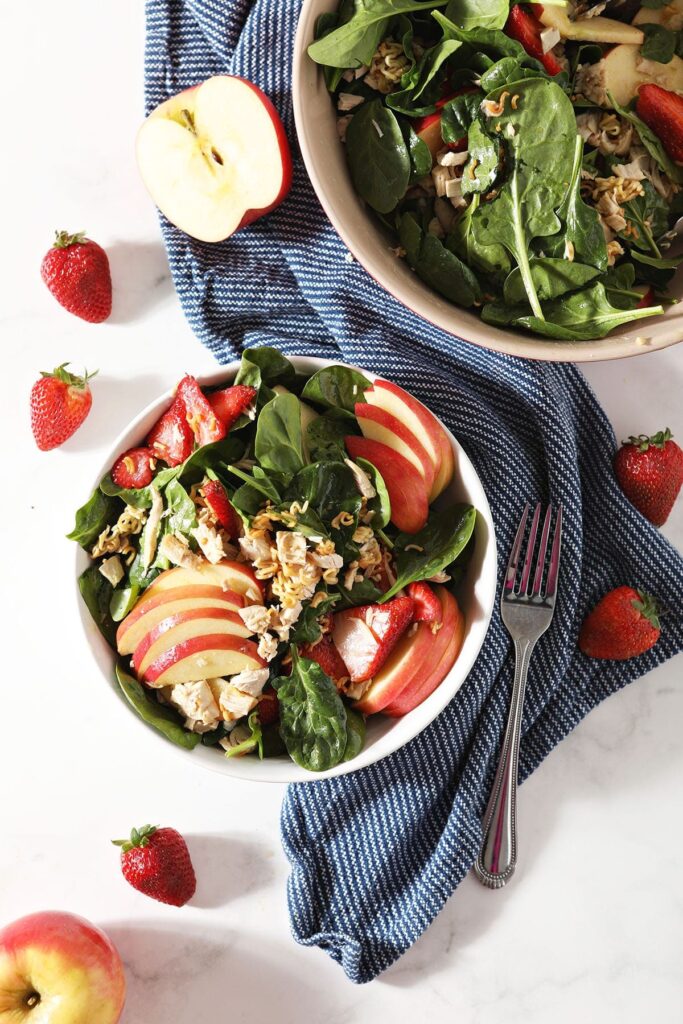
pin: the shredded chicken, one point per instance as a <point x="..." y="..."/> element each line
<point x="151" y="534"/>
<point x="174" y="547"/>
<point x="609" y="133"/>
<point x="112" y="570"/>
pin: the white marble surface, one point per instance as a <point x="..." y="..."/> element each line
<point x="591" y="928"/>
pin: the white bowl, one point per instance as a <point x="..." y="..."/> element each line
<point x="326" y="165"/>
<point x="384" y="735"/>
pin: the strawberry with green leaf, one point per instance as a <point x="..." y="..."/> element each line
<point x="623" y="624"/>
<point x="76" y="270"/>
<point x="156" y="862"/>
<point x="650" y="473"/>
<point x="60" y="401"/>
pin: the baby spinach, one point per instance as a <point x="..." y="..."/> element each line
<point x="122" y="601"/>
<point x="468" y="14"/>
<point x="646" y="219"/>
<point x="458" y="114"/>
<point x="278" y="445"/>
<point x="253" y="743"/>
<point x="307" y="627"/>
<point x="364" y="591"/>
<point x="326" y="23"/>
<point x="378" y="157"/>
<point x="182" y="512"/>
<point x="446" y="273"/>
<point x="420" y="88"/>
<point x="490" y="42"/>
<point x="264" y="365"/>
<point x="551" y="278"/>
<point x="97" y="591"/>
<point x="139" y="497"/>
<point x="98" y="512"/>
<point x="419" y="556"/>
<point x="353" y="43"/>
<point x="355" y="734"/>
<point x="329" y="487"/>
<point x="508" y="70"/>
<point x="336" y="387"/>
<point x="651" y="142"/>
<point x="481" y="170"/>
<point x="381" y="503"/>
<point x="660" y="43"/>
<point x="410" y="237"/>
<point x="465" y="241"/>
<point x="618" y="282"/>
<point x="420" y="156"/>
<point x="159" y="716"/>
<point x="326" y="434"/>
<point x="312" y="715"/>
<point x="655" y="271"/>
<point x="580" y="223"/>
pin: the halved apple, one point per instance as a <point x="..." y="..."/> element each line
<point x="215" y="157"/>
<point x="174" y="629"/>
<point x="422" y="423"/>
<point x="228" y="575"/>
<point x="153" y="608"/>
<point x="208" y="656"/>
<point x="406" y="486"/>
<point x="380" y="425"/>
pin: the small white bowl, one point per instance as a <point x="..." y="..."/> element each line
<point x="384" y="735"/>
<point x="326" y="165"/>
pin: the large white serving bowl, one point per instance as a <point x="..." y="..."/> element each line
<point x="325" y="162"/>
<point x="384" y="735"/>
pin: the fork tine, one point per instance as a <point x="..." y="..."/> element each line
<point x="516" y="548"/>
<point x="542" y="548"/>
<point x="526" y="572"/>
<point x="554" y="568"/>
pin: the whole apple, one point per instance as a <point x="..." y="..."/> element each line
<point x="57" y="968"/>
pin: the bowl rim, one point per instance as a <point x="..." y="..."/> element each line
<point x="426" y="304"/>
<point x="282" y="769"/>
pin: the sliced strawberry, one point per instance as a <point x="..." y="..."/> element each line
<point x="427" y="604"/>
<point x="135" y="468"/>
<point x="216" y="498"/>
<point x="648" y="299"/>
<point x="365" y="636"/>
<point x="202" y="419"/>
<point x="523" y="26"/>
<point x="230" y="403"/>
<point x="662" y="111"/>
<point x="268" y="707"/>
<point x="327" y="656"/>
<point x="171" y="438"/>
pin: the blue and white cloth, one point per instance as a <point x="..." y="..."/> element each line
<point x="376" y="854"/>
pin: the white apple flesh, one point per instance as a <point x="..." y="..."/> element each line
<point x="215" y="158"/>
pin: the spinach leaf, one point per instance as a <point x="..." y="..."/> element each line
<point x="660" y="43"/>
<point x="160" y="717"/>
<point x="259" y="481"/>
<point x="646" y="219"/>
<point x="381" y="503"/>
<point x="420" y="156"/>
<point x="329" y="487"/>
<point x="618" y="282"/>
<point x="182" y="512"/>
<point x="97" y="591"/>
<point x="312" y="716"/>
<point x="654" y="271"/>
<point x="307" y="627"/>
<point x="264" y="365"/>
<point x="458" y="114"/>
<point x="137" y="497"/>
<point x="353" y="44"/>
<point x="490" y="42"/>
<point x="336" y="387"/>
<point x="468" y="14"/>
<point x="442" y="540"/>
<point x="551" y="278"/>
<point x="93" y="517"/>
<point x="355" y="734"/>
<point x="410" y="237"/>
<point x="651" y="142"/>
<point x="278" y="445"/>
<point x="465" y="241"/>
<point x="539" y="160"/>
<point x="363" y="591"/>
<point x="420" y="88"/>
<point x="438" y="267"/>
<point x="141" y="577"/>
<point x="252" y="743"/>
<point x="326" y="435"/>
<point x="123" y="601"/>
<point x="581" y="223"/>
<point x="508" y="70"/>
<point x="326" y="23"/>
<point x="378" y="157"/>
<point x="481" y="170"/>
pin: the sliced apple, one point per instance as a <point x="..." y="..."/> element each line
<point x="407" y="491"/>
<point x="422" y="685"/>
<point x="670" y="16"/>
<point x="626" y="70"/>
<point x="228" y="575"/>
<point x="380" y="425"/>
<point x="429" y="130"/>
<point x="174" y="629"/>
<point x="215" y="157"/>
<point x="407" y="660"/>
<point x="152" y="608"/>
<point x="422" y="423"/>
<point x="594" y="30"/>
<point x="208" y="656"/>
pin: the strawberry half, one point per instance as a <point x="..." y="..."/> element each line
<point x="650" y="473"/>
<point x="427" y="605"/>
<point x="366" y="636"/>
<point x="327" y="656"/>
<point x="623" y="624"/>
<point x="205" y="425"/>
<point x="133" y="469"/>
<point x="525" y="27"/>
<point x="171" y="438"/>
<point x="156" y="862"/>
<point x="216" y="498"/>
<point x="230" y="403"/>
<point x="662" y="111"/>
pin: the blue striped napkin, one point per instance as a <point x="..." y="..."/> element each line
<point x="375" y="855"/>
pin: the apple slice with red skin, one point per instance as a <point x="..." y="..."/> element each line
<point x="215" y="157"/>
<point x="422" y="685"/>
<point x="422" y="423"/>
<point x="208" y="656"/>
<point x="149" y="611"/>
<point x="228" y="575"/>
<point x="174" y="629"/>
<point x="406" y="486"/>
<point x="380" y="425"/>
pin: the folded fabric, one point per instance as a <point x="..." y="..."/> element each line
<point x="376" y="854"/>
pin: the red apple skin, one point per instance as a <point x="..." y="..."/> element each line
<point x="150" y="602"/>
<point x="405" y="483"/>
<point x="385" y="419"/>
<point x="403" y="664"/>
<point x="166" y="626"/>
<point x="69" y="962"/>
<point x="212" y="641"/>
<point x="285" y="155"/>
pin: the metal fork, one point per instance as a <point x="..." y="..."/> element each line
<point x="526" y="611"/>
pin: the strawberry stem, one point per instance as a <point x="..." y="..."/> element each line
<point x="138" y="837"/>
<point x="648" y="608"/>
<point x="70" y="379"/>
<point x="642" y="442"/>
<point x="63" y="239"/>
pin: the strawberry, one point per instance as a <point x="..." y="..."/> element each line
<point x="623" y="624"/>
<point x="525" y="27"/>
<point x="230" y="403"/>
<point x="156" y="861"/>
<point x="60" y="402"/>
<point x="268" y="707"/>
<point x="216" y="498"/>
<point x="76" y="270"/>
<point x="662" y="111"/>
<point x="135" y="468"/>
<point x="427" y="605"/>
<point x="327" y="656"/>
<point x="365" y="636"/>
<point x="205" y="425"/>
<point x="650" y="473"/>
<point x="171" y="438"/>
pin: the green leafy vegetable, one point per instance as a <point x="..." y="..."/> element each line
<point x="660" y="43"/>
<point x="264" y="365"/>
<point x="378" y="157"/>
<point x="355" y="734"/>
<point x="381" y="503"/>
<point x="278" y="445"/>
<point x="159" y="716"/>
<point x="481" y="170"/>
<point x="446" y="273"/>
<point x="326" y="435"/>
<point x="581" y="225"/>
<point x="468" y="14"/>
<point x="182" y="512"/>
<point x="651" y="142"/>
<point x="307" y="627"/>
<point x="253" y="743"/>
<point x="655" y="271"/>
<point x="336" y="387"/>
<point x="329" y="487"/>
<point x="420" y="156"/>
<point x="646" y="219"/>
<point x="312" y="716"/>
<point x="137" y="497"/>
<point x="441" y="540"/>
<point x="97" y="591"/>
<point x="458" y="114"/>
<point x="98" y="512"/>
<point x="465" y="241"/>
<point x="551" y="278"/>
<point x="122" y="602"/>
<point x="420" y="88"/>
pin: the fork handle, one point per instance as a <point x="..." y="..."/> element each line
<point x="497" y="859"/>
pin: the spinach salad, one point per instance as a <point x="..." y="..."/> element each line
<point x="258" y="583"/>
<point x="509" y="151"/>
